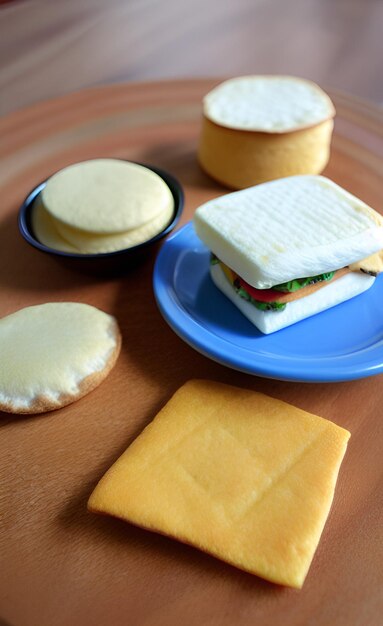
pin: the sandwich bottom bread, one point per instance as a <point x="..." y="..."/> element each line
<point x="288" y="249"/>
<point x="235" y="473"/>
<point x="274" y="315"/>
<point x="53" y="354"/>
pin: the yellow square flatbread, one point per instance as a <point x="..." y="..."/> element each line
<point x="242" y="476"/>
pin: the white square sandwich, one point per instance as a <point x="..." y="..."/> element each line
<point x="288" y="249"/>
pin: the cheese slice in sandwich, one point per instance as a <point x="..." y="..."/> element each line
<point x="278" y="248"/>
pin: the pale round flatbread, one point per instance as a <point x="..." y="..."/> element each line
<point x="54" y="353"/>
<point x="106" y="196"/>
<point x="88" y="243"/>
<point x="45" y="230"/>
<point x="272" y="104"/>
<point x="58" y="236"/>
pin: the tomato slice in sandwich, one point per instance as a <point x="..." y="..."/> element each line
<point x="262" y="295"/>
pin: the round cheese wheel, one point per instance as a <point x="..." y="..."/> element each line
<point x="258" y="128"/>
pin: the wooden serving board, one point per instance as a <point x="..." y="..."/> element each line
<point x="62" y="566"/>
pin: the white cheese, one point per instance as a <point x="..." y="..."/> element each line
<point x="268" y="104"/>
<point x="267" y="322"/>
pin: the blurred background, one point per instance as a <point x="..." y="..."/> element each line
<point x="52" y="47"/>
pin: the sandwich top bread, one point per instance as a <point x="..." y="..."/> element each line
<point x="278" y="247"/>
<point x="54" y="353"/>
<point x="257" y="128"/>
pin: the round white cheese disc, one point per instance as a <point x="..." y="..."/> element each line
<point x="271" y="104"/>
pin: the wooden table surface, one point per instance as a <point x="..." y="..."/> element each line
<point x="50" y="48"/>
<point x="59" y="564"/>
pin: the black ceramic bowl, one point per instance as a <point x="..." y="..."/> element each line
<point x="105" y="262"/>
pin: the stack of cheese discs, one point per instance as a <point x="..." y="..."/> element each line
<point x="258" y="128"/>
<point x="101" y="205"/>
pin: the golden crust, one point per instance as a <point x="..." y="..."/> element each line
<point x="372" y="264"/>
<point x="242" y="158"/>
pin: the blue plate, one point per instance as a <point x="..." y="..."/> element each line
<point x="343" y="343"/>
